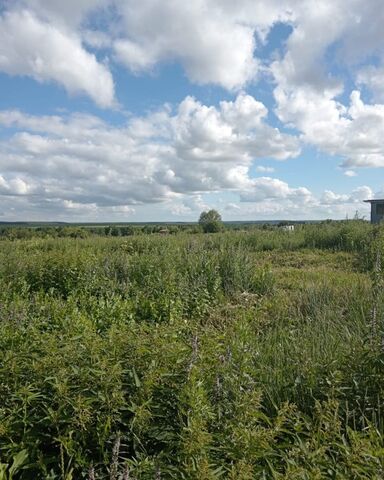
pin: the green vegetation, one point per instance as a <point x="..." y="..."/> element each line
<point x="211" y="221"/>
<point x="239" y="355"/>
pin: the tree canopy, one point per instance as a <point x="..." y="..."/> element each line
<point x="211" y="221"/>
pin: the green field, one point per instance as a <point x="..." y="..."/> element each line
<point x="240" y="355"/>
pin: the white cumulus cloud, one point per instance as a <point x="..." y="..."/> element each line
<point x="194" y="149"/>
<point x="29" y="46"/>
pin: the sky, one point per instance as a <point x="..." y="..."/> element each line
<point x="119" y="110"/>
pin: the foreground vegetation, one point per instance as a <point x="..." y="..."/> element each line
<point x="237" y="355"/>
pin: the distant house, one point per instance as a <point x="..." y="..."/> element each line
<point x="377" y="210"/>
<point x="164" y="231"/>
<point x="288" y="228"/>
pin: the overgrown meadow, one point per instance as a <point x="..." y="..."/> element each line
<point x="238" y="355"/>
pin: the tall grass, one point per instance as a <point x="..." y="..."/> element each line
<point x="238" y="355"/>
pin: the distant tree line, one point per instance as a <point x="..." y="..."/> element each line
<point x="209" y="222"/>
<point x="28" y="232"/>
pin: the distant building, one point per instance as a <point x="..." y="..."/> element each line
<point x="288" y="228"/>
<point x="377" y="210"/>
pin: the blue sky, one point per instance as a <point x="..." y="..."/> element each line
<point x="114" y="110"/>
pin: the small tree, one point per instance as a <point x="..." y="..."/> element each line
<point x="211" y="221"/>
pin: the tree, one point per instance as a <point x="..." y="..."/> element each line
<point x="211" y="221"/>
<point x="115" y="231"/>
<point x="127" y="231"/>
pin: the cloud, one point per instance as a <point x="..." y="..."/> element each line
<point x="262" y="169"/>
<point x="195" y="149"/>
<point x="210" y="40"/>
<point x="277" y="200"/>
<point x="14" y="186"/>
<point x="308" y="92"/>
<point x="364" y="33"/>
<point x="325" y="34"/>
<point x="29" y="46"/>
<point x="357" y="196"/>
<point x="79" y="159"/>
<point x="373" y="78"/>
<point x="68" y="12"/>
<point x="81" y="209"/>
<point x="350" y="173"/>
<point x="213" y="40"/>
<point x="263" y="188"/>
<point x="353" y="132"/>
<point x="232" y="207"/>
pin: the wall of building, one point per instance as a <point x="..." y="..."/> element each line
<point x="377" y="212"/>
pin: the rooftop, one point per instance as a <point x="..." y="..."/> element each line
<point x="381" y="200"/>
